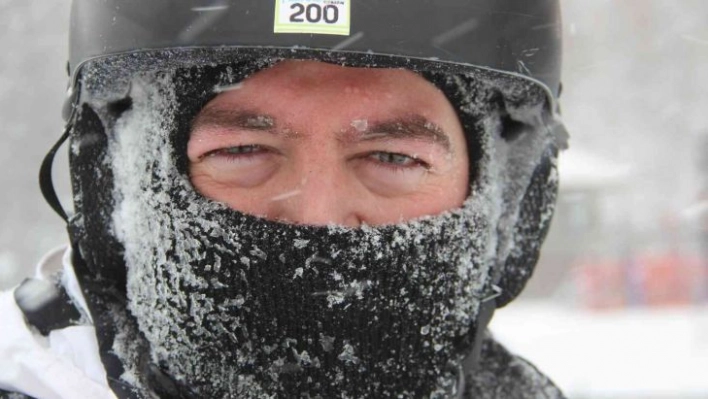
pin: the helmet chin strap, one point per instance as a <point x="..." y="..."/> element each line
<point x="45" y="176"/>
<point x="46" y="184"/>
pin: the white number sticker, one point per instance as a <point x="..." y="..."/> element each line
<point x="325" y="17"/>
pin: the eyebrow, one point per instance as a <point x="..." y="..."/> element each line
<point x="230" y="118"/>
<point x="410" y="127"/>
<point x="414" y="127"/>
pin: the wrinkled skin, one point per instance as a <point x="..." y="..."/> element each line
<point x="314" y="143"/>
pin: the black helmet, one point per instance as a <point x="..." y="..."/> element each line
<point x="521" y="38"/>
<point x="502" y="54"/>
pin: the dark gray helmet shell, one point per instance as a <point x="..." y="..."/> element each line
<point x="521" y="37"/>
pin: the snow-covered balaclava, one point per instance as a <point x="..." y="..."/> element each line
<point x="222" y="304"/>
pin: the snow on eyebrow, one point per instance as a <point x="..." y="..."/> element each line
<point x="410" y="127"/>
<point x="232" y="118"/>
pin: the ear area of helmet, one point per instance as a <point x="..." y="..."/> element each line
<point x="116" y="108"/>
<point x="521" y="116"/>
<point x="512" y="129"/>
<point x="534" y="220"/>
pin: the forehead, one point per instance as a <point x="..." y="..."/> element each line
<point x="293" y="84"/>
<point x="312" y="73"/>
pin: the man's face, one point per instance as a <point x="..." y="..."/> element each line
<point x="314" y="143"/>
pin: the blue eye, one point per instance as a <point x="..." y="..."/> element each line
<point x="395" y="160"/>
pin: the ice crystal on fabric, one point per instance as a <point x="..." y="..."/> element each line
<point x="237" y="306"/>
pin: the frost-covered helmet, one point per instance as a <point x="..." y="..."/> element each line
<point x="497" y="61"/>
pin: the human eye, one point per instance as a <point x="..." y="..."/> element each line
<point x="391" y="173"/>
<point x="247" y="165"/>
<point x="397" y="161"/>
<point x="238" y="153"/>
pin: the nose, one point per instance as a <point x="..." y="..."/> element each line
<point x="323" y="197"/>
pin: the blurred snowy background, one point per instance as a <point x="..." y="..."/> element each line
<point x="33" y="55"/>
<point x="619" y="304"/>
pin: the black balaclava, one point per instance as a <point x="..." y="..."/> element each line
<point x="223" y="304"/>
